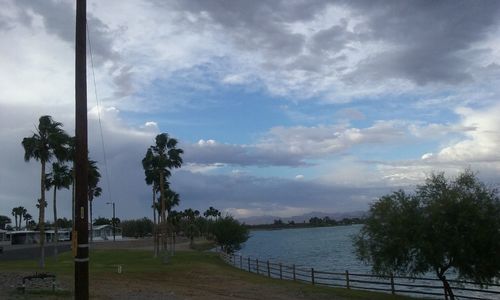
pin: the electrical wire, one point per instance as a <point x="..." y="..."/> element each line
<point x="99" y="115"/>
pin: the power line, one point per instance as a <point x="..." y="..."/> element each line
<point x="99" y="115"/>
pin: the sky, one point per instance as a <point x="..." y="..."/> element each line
<point x="282" y="107"/>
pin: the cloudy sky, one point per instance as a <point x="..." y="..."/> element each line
<point x="282" y="107"/>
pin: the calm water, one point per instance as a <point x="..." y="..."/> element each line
<point x="323" y="248"/>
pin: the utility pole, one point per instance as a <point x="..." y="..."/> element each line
<point x="81" y="155"/>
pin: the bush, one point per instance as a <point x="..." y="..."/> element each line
<point x="230" y="234"/>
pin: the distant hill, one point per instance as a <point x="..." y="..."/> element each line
<point x="302" y="218"/>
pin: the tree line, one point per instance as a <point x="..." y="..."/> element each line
<point x="227" y="232"/>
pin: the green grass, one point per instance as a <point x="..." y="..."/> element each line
<point x="202" y="268"/>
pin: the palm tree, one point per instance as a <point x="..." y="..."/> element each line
<point x="166" y="156"/>
<point x="47" y="142"/>
<point x="14" y="214"/>
<point x="60" y="177"/>
<point x="27" y="218"/>
<point x="151" y="172"/>
<point x="18" y="212"/>
<point x="93" y="190"/>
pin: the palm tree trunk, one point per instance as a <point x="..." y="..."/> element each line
<point x="41" y="217"/>
<point x="55" y="225"/>
<point x="154" y="225"/>
<point x="163" y="219"/>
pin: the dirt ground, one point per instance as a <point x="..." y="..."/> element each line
<point x="197" y="283"/>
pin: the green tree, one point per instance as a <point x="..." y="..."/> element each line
<point x="230" y="234"/>
<point x="4" y="220"/>
<point x="47" y="142"/>
<point x="446" y="225"/>
<point x="94" y="191"/>
<point x="137" y="228"/>
<point x="60" y="177"/>
<point x="102" y="221"/>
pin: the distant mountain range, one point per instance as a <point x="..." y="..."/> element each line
<point x="302" y="218"/>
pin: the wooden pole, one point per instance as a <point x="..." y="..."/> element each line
<point x="268" y="270"/>
<point x="347" y="284"/>
<point x="312" y="276"/>
<point x="393" y="290"/>
<point x="81" y="155"/>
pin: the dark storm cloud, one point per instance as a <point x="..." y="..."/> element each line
<point x="432" y="39"/>
<point x="259" y="25"/>
<point x="427" y="41"/>
<point x="59" y="19"/>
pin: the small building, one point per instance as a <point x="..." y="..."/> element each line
<point x="24" y="237"/>
<point x="64" y="235"/>
<point x="4" y="238"/>
<point x="105" y="232"/>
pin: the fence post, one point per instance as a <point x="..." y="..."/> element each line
<point x="257" y="262"/>
<point x="268" y="270"/>
<point x="241" y="262"/>
<point x="249" y="270"/>
<point x="234" y="260"/>
<point x="293" y="272"/>
<point x="393" y="290"/>
<point x="347" y="285"/>
<point x="281" y="272"/>
<point x="445" y="291"/>
<point x="312" y="276"/>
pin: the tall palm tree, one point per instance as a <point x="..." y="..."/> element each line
<point x="27" y="218"/>
<point x="151" y="172"/>
<point x="47" y="142"/>
<point x="22" y="212"/>
<point x="167" y="156"/>
<point x="60" y="178"/>
<point x="14" y="214"/>
<point x="93" y="190"/>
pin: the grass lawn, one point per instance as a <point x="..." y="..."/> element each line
<point x="188" y="275"/>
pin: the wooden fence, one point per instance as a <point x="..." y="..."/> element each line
<point x="425" y="287"/>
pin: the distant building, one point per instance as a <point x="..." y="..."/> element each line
<point x="105" y="232"/>
<point x="4" y="239"/>
<point x="24" y="237"/>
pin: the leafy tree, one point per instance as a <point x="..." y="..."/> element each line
<point x="446" y="225"/>
<point x="47" y="142"/>
<point x="93" y="190"/>
<point x="64" y="223"/>
<point x="59" y="178"/>
<point x="230" y="234"/>
<point x="137" y="228"/>
<point x="4" y="220"/>
<point x="102" y="221"/>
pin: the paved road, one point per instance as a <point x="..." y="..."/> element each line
<point x="17" y="252"/>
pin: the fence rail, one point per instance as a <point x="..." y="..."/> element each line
<point x="420" y="286"/>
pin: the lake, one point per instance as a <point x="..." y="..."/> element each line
<point x="330" y="249"/>
<point x="323" y="248"/>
